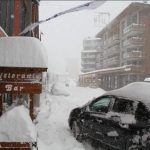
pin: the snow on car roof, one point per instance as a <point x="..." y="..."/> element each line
<point x="22" y="52"/>
<point x="139" y="91"/>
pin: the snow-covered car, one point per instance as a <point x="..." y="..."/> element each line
<point x="59" y="89"/>
<point x="119" y="119"/>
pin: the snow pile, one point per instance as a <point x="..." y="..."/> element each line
<point x="136" y="91"/>
<point x="122" y="118"/>
<point x="16" y="126"/>
<point x="128" y="119"/>
<point x="112" y="134"/>
<point x="59" y="89"/>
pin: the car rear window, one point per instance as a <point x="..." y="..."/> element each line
<point x="142" y="112"/>
<point x="123" y="106"/>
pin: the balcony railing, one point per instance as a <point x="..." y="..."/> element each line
<point x="133" y="55"/>
<point x="87" y="69"/>
<point x="134" y="41"/>
<point x="111" y="41"/>
<point x="113" y="51"/>
<point x="88" y="56"/>
<point x="134" y="28"/>
<point x="88" y="63"/>
<point x="111" y="61"/>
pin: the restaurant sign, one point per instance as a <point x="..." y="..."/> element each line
<point x="20" y="76"/>
<point x="21" y="87"/>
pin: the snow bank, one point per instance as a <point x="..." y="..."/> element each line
<point x="16" y="126"/>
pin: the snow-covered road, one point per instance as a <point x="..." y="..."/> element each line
<point x="53" y="130"/>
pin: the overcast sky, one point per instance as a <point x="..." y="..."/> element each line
<point x="63" y="36"/>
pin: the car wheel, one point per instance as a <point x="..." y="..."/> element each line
<point x="76" y="131"/>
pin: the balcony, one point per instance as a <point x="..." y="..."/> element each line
<point x="87" y="69"/>
<point x="111" y="62"/>
<point x="133" y="55"/>
<point x="88" y="63"/>
<point x="134" y="42"/>
<point x="88" y="56"/>
<point x="134" y="29"/>
<point x="113" y="51"/>
<point x="88" y="51"/>
<point x="113" y="40"/>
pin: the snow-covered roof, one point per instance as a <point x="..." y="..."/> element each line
<point x="139" y="91"/>
<point x="22" y="52"/>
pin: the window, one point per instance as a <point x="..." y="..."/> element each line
<point x="123" y="106"/>
<point x="134" y="18"/>
<point x="142" y="113"/>
<point x="101" y="105"/>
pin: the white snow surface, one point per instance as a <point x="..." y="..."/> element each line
<point x="123" y="118"/>
<point x="53" y="129"/>
<point x="139" y="91"/>
<point x="22" y="52"/>
<point x="16" y="126"/>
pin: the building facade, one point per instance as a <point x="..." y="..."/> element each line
<point x="15" y="15"/>
<point x="125" y="43"/>
<point x="90" y="55"/>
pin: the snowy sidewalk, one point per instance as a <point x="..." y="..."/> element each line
<point x="54" y="133"/>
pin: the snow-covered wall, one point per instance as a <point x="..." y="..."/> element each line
<point x="22" y="52"/>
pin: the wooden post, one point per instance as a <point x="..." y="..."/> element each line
<point x="16" y="23"/>
<point x="31" y="106"/>
<point x="1" y="105"/>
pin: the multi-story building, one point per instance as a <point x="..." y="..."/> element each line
<point x="15" y="15"/>
<point x="90" y="55"/>
<point x="125" y="44"/>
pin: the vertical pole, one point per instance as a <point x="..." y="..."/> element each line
<point x="16" y="23"/>
<point x="31" y="106"/>
<point x="1" y="105"/>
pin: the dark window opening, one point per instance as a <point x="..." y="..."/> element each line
<point x="142" y="113"/>
<point x="123" y="106"/>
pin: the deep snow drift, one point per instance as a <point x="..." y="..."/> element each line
<point x="53" y="130"/>
<point x="17" y="126"/>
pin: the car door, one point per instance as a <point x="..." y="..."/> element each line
<point x="95" y="117"/>
<point x="120" y="118"/>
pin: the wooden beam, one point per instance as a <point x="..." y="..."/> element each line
<point x="1" y="105"/>
<point x="16" y="23"/>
